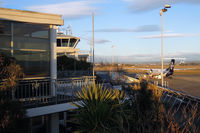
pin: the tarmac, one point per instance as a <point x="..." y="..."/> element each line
<point x="189" y="84"/>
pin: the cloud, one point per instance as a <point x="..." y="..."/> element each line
<point x="72" y="9"/>
<point x="144" y="28"/>
<point x="189" y="57"/>
<point x="148" y="5"/>
<point x="172" y="35"/>
<point x="102" y="41"/>
<point x="97" y="41"/>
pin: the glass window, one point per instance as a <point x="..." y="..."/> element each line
<point x="58" y="43"/>
<point x="5" y="35"/>
<point x="65" y="43"/>
<point x="32" y="48"/>
<point x="34" y="63"/>
<point x="31" y="36"/>
<point x="72" y="42"/>
<point x="5" y="52"/>
<point x="5" y="27"/>
<point x="31" y="45"/>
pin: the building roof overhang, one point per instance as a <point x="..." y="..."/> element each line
<point x="30" y="17"/>
<point x="67" y="37"/>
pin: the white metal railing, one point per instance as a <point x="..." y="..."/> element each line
<point x="67" y="88"/>
<point x="178" y="98"/>
<point x="32" y="89"/>
<point x="38" y="92"/>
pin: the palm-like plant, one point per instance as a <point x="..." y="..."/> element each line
<point x="99" y="109"/>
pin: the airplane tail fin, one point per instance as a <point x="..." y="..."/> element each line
<point x="170" y="70"/>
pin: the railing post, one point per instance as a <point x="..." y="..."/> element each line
<point x="165" y="97"/>
<point x="72" y="84"/>
<point x="13" y="94"/>
<point x="180" y="104"/>
<point x="187" y="104"/>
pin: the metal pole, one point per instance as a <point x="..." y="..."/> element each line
<point x="12" y="33"/>
<point x="162" y="48"/>
<point x="93" y="45"/>
<point x="112" y="57"/>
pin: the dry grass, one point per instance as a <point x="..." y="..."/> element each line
<point x="168" y="118"/>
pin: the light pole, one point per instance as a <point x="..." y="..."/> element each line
<point x="93" y="48"/>
<point x="112" y="58"/>
<point x="161" y="14"/>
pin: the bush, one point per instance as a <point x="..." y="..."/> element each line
<point x="100" y="110"/>
<point x="9" y="72"/>
<point x="105" y="110"/>
<point x="149" y="114"/>
<point x="11" y="114"/>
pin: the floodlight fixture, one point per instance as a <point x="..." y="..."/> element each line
<point x="167" y="6"/>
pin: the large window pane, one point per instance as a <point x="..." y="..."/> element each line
<point x="65" y="43"/>
<point x="58" y="42"/>
<point x="32" y="48"/>
<point x="5" y="52"/>
<point x="30" y="36"/>
<point x="34" y="64"/>
<point x="5" y="35"/>
<point x="72" y="42"/>
<point x="5" y="27"/>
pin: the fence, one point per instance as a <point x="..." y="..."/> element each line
<point x="67" y="88"/>
<point x="174" y="98"/>
<point x="33" y="93"/>
<point x="178" y="98"/>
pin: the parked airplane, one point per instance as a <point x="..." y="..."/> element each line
<point x="167" y="72"/>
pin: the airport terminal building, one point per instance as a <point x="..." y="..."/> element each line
<point x="30" y="37"/>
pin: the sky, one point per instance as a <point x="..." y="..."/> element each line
<point x="132" y="26"/>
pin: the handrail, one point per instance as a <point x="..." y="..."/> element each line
<point x="33" y="93"/>
<point x="180" y="93"/>
<point x="176" y="92"/>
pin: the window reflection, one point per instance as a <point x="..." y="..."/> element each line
<point x="65" y="42"/>
<point x="31" y="45"/>
<point x="5" y="28"/>
<point x="32" y="49"/>
<point x="5" y="35"/>
<point x="34" y="63"/>
<point x="29" y="36"/>
<point x="58" y="42"/>
<point x="72" y="42"/>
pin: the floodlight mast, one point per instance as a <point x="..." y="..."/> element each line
<point x="161" y="14"/>
<point x="93" y="64"/>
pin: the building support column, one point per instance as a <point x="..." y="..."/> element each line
<point x="53" y="58"/>
<point x="30" y="126"/>
<point x="65" y="119"/>
<point x="54" y="123"/>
